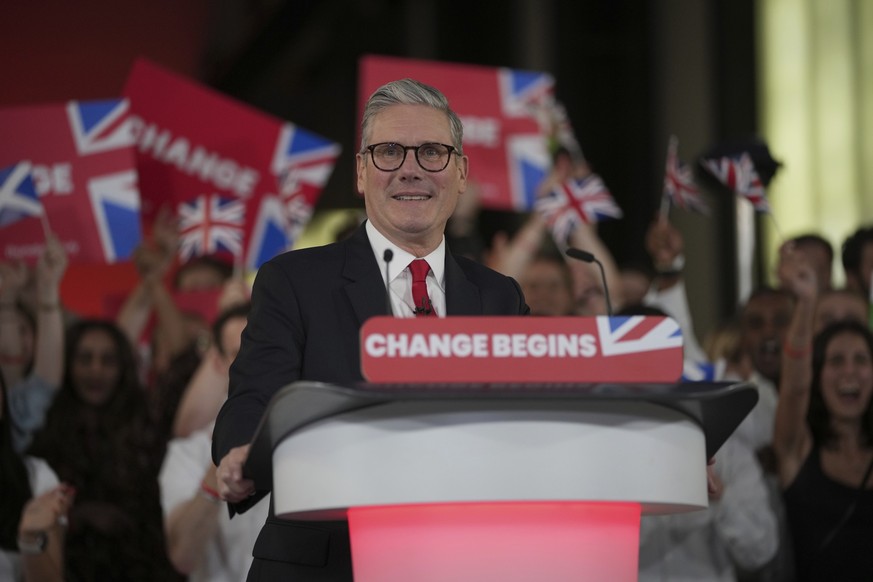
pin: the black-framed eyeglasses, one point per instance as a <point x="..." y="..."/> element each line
<point x="432" y="157"/>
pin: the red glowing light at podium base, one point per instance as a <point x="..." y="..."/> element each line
<point x="509" y="542"/>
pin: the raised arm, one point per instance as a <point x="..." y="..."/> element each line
<point x="792" y="439"/>
<point x="191" y="525"/>
<point x="665" y="246"/>
<point x="585" y="237"/>
<point x="48" y="356"/>
<point x="152" y="263"/>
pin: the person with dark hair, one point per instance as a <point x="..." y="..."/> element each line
<point x="857" y="259"/>
<point x="819" y="252"/>
<point x="33" y="510"/>
<point x="99" y="438"/>
<point x="840" y="305"/>
<point x="823" y="438"/>
<point x="308" y="305"/>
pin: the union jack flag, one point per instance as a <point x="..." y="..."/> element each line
<point x="575" y="202"/>
<point x="99" y="126"/>
<point x="18" y="197"/>
<point x="211" y="224"/>
<point x="637" y="333"/>
<point x="679" y="184"/>
<point x="116" y="206"/>
<point x="739" y="175"/>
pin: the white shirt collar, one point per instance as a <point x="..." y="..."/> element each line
<point x="402" y="258"/>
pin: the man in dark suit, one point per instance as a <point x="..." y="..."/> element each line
<point x="308" y="305"/>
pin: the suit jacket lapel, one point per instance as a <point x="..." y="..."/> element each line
<point x="462" y="296"/>
<point x="366" y="289"/>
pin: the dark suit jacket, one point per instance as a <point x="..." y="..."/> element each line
<point x="307" y="310"/>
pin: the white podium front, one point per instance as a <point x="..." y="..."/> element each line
<point x="493" y="482"/>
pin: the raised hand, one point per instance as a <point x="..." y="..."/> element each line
<point x="664" y="244"/>
<point x="50" y="268"/>
<point x="796" y="273"/>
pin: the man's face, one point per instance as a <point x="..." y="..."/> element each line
<point x="764" y="323"/>
<point x="410" y="206"/>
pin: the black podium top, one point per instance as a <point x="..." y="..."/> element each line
<point x="718" y="407"/>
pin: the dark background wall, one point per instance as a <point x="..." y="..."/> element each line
<point x="630" y="73"/>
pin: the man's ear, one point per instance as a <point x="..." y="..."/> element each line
<point x="361" y="168"/>
<point x="463" y="167"/>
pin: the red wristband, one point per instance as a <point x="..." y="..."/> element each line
<point x="796" y="353"/>
<point x="210" y="493"/>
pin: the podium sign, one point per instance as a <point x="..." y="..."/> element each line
<point x="521" y="349"/>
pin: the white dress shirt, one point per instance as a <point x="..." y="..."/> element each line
<point x="401" y="278"/>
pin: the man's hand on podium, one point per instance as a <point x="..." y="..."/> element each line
<point x="232" y="487"/>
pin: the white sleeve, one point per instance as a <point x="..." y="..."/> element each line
<point x="674" y="302"/>
<point x="744" y="517"/>
<point x="42" y="477"/>
<point x="184" y="465"/>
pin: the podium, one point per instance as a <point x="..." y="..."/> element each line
<point x="493" y="481"/>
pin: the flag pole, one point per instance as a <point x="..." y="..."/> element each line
<point x="46" y="227"/>
<point x="665" y="206"/>
<point x="238" y="265"/>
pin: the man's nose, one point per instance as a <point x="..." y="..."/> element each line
<point x="410" y="166"/>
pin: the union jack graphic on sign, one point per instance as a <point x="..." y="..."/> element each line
<point x="18" y="197"/>
<point x="270" y="233"/>
<point x="635" y="334"/>
<point x="522" y="93"/>
<point x="115" y="202"/>
<point x="303" y="162"/>
<point x="211" y="224"/>
<point x="99" y="126"/>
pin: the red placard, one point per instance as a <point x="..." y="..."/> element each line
<point x="521" y="349"/>
<point x="81" y="160"/>
<point x="498" y="106"/>
<point x="242" y="182"/>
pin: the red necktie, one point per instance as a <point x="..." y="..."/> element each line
<point x="423" y="307"/>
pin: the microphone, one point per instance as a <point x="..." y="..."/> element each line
<point x="589" y="258"/>
<point x="424" y="309"/>
<point x="387" y="256"/>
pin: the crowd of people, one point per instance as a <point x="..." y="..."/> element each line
<point x="106" y="425"/>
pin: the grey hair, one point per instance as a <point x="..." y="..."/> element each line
<point x="410" y="92"/>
